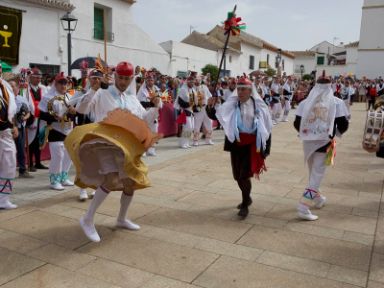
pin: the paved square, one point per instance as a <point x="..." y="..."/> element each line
<point x="191" y="236"/>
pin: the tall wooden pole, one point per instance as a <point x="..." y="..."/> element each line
<point x="105" y="35"/>
<point x="223" y="56"/>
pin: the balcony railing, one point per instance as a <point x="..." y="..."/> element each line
<point x="99" y="35"/>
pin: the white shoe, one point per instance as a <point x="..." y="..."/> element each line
<point x="274" y="122"/>
<point x="305" y="214"/>
<point x="67" y="183"/>
<point x="5" y="203"/>
<point x="92" y="194"/>
<point x="83" y="195"/>
<point x="185" y="146"/>
<point x="320" y="201"/>
<point x="89" y="230"/>
<point x="284" y="120"/>
<point x="151" y="152"/>
<point x="127" y="224"/>
<point x="195" y="143"/>
<point x="144" y="154"/>
<point x="57" y="186"/>
<point x="209" y="142"/>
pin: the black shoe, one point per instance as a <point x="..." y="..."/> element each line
<point x="25" y="175"/>
<point x="41" y="166"/>
<point x="32" y="169"/>
<point x="243" y="213"/>
<point x="248" y="204"/>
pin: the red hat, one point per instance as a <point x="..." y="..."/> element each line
<point x="192" y="75"/>
<point x="60" y="76"/>
<point x="323" y="79"/>
<point x="244" y="82"/>
<point x="124" y="69"/>
<point x="36" y="72"/>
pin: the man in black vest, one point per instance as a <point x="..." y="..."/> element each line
<point x="36" y="91"/>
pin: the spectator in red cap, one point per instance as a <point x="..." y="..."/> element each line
<point x="110" y="168"/>
<point x="59" y="117"/>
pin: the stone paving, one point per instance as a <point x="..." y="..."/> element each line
<point x="191" y="236"/>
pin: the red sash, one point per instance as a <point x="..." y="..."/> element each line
<point x="257" y="161"/>
<point x="182" y="118"/>
<point x="36" y="102"/>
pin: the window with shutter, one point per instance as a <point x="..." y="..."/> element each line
<point x="98" y="21"/>
<point x="251" y="62"/>
<point x="320" y="60"/>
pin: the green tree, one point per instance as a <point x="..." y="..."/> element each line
<point x="307" y="77"/>
<point x="213" y="70"/>
<point x="270" y="72"/>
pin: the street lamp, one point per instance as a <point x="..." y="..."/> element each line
<point x="69" y="23"/>
<point x="278" y="61"/>
<point x="301" y="71"/>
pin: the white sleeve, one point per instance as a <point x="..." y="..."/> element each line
<point x="149" y="115"/>
<point x="341" y="108"/>
<point x="87" y="104"/>
<point x="28" y="98"/>
<point x="75" y="99"/>
<point x="207" y="92"/>
<point x="299" y="111"/>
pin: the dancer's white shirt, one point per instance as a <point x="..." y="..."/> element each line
<point x="105" y="100"/>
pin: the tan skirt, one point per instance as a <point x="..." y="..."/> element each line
<point x="106" y="155"/>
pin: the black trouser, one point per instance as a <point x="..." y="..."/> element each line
<point x="20" y="148"/>
<point x="371" y="103"/>
<point x="245" y="186"/>
<point x="34" y="150"/>
<point x="241" y="169"/>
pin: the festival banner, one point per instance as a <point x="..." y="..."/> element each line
<point x="10" y="32"/>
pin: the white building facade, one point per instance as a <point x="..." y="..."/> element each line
<point x="370" y="61"/>
<point x="334" y="60"/>
<point x="246" y="53"/>
<point x="43" y="41"/>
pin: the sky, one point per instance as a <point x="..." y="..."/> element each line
<point x="287" y="24"/>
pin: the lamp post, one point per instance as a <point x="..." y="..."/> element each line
<point x="278" y="62"/>
<point x="69" y="23"/>
<point x="301" y="71"/>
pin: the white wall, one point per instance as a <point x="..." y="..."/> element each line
<point x="184" y="57"/>
<point x="372" y="22"/>
<point x="370" y="64"/>
<point x="371" y="45"/>
<point x="39" y="41"/>
<point x="44" y="41"/>
<point x="352" y="55"/>
<point x="309" y="63"/>
<point x="327" y="48"/>
<point x="336" y="70"/>
<point x="130" y="42"/>
<point x="289" y="65"/>
<point x="246" y="51"/>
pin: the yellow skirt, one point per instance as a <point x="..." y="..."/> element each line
<point x="100" y="151"/>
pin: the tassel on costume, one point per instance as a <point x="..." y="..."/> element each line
<point x="331" y="154"/>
